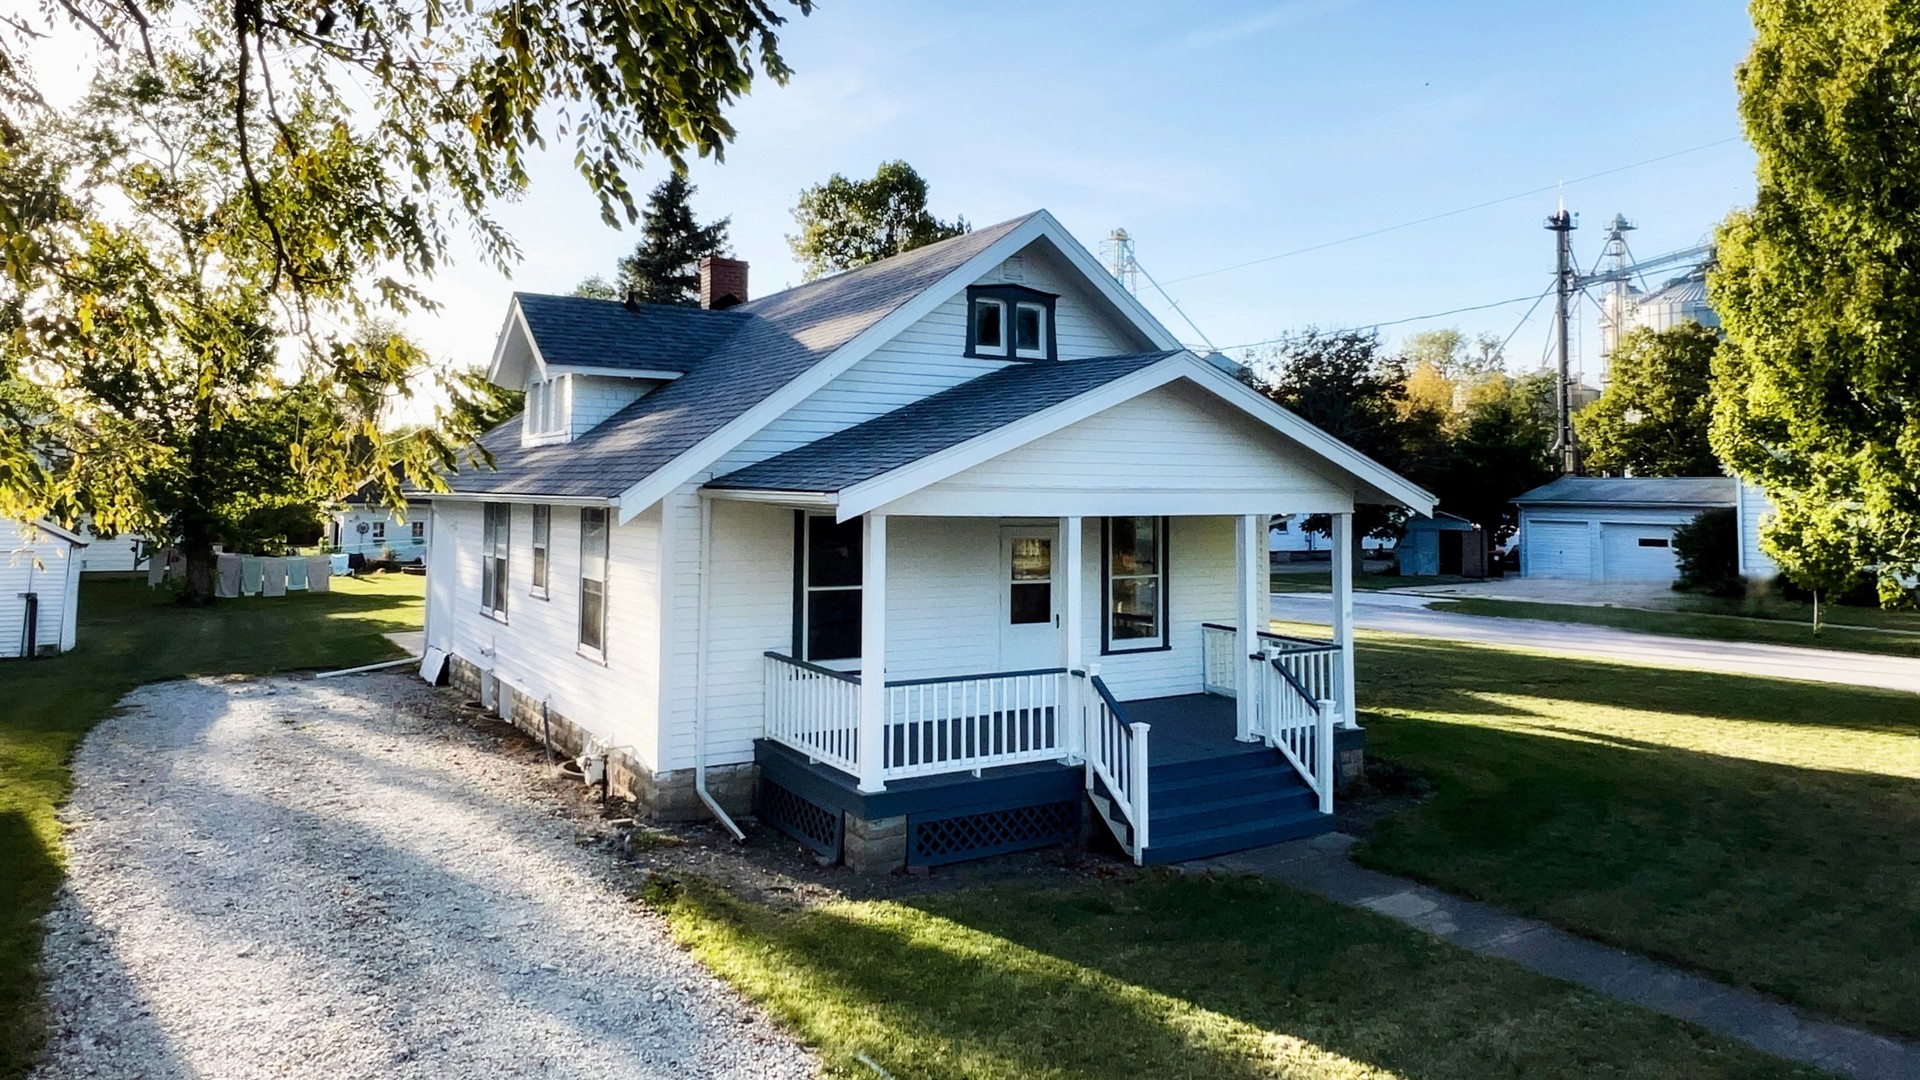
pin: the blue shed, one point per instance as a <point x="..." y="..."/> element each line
<point x="1444" y="544"/>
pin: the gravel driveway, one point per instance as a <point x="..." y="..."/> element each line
<point x="291" y="878"/>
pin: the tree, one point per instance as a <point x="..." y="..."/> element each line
<point x="595" y="287"/>
<point x="1452" y="355"/>
<point x="847" y="223"/>
<point x="1707" y="550"/>
<point x="1501" y="447"/>
<point x="664" y="267"/>
<point x="1654" y="417"/>
<point x="1347" y="384"/>
<point x="1819" y="293"/>
<point x="181" y="251"/>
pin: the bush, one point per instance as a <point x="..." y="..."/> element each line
<point x="1708" y="550"/>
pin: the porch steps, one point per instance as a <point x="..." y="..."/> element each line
<point x="1214" y="806"/>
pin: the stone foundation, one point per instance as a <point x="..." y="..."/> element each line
<point x="875" y="847"/>
<point x="1349" y="756"/>
<point x="667" y="796"/>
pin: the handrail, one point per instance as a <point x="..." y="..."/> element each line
<point x="1268" y="635"/>
<point x="1100" y="687"/>
<point x="1292" y="680"/>
<point x="803" y="665"/>
<point x="981" y="675"/>
<point x="1116" y="752"/>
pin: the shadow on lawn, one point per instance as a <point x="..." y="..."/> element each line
<point x="1454" y="677"/>
<point x="1799" y="881"/>
<point x="25" y="889"/>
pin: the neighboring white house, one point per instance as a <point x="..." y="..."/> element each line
<point x="1621" y="528"/>
<point x="39" y="589"/>
<point x="116" y="555"/>
<point x="360" y="525"/>
<point x="914" y="561"/>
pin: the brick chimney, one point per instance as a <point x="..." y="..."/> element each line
<point x="723" y="282"/>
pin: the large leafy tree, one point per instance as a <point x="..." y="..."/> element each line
<point x="1818" y="288"/>
<point x="1654" y="416"/>
<point x="847" y="223"/>
<point x="1501" y="446"/>
<point x="664" y="267"/>
<point x="248" y="178"/>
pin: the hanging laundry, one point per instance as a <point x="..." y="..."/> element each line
<point x="319" y="573"/>
<point x="250" y="574"/>
<point x="273" y="576"/>
<point x="296" y="574"/>
<point x="227" y="569"/>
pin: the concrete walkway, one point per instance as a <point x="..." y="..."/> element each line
<point x="1321" y="866"/>
<point x="1403" y="613"/>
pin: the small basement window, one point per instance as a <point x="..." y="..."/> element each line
<point x="1010" y="322"/>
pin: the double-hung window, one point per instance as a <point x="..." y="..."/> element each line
<point x="593" y="580"/>
<point x="496" y="523"/>
<point x="827" y="570"/>
<point x="1010" y="322"/>
<point x="1134" y="600"/>
<point x="542" y="543"/>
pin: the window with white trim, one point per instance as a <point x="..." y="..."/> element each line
<point x="545" y="406"/>
<point x="1134" y="589"/>
<point x="496" y="523"/>
<point x="594" y="533"/>
<point x="827" y="572"/>
<point x="542" y="542"/>
<point x="1010" y="322"/>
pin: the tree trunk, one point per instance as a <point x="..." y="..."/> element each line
<point x="197" y="549"/>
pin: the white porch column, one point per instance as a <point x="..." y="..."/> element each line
<point x="1252" y="618"/>
<point x="873" y="649"/>
<point x="1343" y="613"/>
<point x="1072" y="635"/>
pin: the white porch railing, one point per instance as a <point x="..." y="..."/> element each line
<point x="1219" y="659"/>
<point x="1315" y="662"/>
<point x="1117" y="755"/>
<point x="1296" y="721"/>
<point x="971" y="722"/>
<point x="814" y="710"/>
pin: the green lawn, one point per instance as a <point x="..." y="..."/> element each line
<point x="130" y="635"/>
<point x="1323" y="581"/>
<point x="1183" y="977"/>
<point x="1764" y="831"/>
<point x="1715" y="627"/>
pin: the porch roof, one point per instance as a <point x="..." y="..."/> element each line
<point x="933" y="424"/>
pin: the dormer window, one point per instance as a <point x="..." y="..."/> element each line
<point x="1010" y="322"/>
<point x="546" y="411"/>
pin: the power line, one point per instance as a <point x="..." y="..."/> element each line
<point x="1455" y="213"/>
<point x="1396" y="322"/>
<point x="1135" y="264"/>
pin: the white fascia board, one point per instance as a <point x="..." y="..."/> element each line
<point x="1337" y="453"/>
<point x="1104" y="283"/>
<point x="813" y="499"/>
<point x="613" y="372"/>
<point x="70" y="537"/>
<point x="710" y="449"/>
<point x="481" y="497"/>
<point x="887" y="487"/>
<point x="516" y="324"/>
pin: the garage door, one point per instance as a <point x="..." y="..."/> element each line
<point x="1557" y="549"/>
<point x="1637" y="552"/>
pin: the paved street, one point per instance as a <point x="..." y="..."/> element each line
<point x="1401" y="613"/>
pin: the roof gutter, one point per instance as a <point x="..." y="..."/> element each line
<point x="514" y="497"/>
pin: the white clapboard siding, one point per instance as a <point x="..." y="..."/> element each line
<point x="536" y="650"/>
<point x="48" y="565"/>
<point x="927" y="358"/>
<point x="593" y="398"/>
<point x="1754" y="509"/>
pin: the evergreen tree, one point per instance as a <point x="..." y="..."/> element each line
<point x="665" y="265"/>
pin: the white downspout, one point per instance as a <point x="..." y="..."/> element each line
<point x="700" y="676"/>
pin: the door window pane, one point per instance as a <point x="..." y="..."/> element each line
<point x="1032" y="602"/>
<point x="1033" y="559"/>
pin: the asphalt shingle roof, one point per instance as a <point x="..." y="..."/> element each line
<point x="1633" y="491"/>
<point x="582" y="332"/>
<point x="774" y="341"/>
<point x="933" y="424"/>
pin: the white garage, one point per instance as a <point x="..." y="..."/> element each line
<point x="1591" y="528"/>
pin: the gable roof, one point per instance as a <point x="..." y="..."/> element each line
<point x="776" y="341"/>
<point x="932" y="424"/>
<point x="577" y="331"/>
<point x="1681" y="491"/>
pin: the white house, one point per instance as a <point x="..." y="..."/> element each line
<point x="914" y="561"/>
<point x="39" y="589"/>
<point x="362" y="525"/>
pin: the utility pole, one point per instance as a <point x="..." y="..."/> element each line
<point x="1562" y="224"/>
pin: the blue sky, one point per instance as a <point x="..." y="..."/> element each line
<point x="1219" y="133"/>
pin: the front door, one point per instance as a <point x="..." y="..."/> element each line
<point x="1029" y="613"/>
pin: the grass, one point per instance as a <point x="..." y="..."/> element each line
<point x="1167" y="977"/>
<point x="1284" y="581"/>
<point x="130" y="635"/>
<point x="1766" y="832"/>
<point x="1694" y="624"/>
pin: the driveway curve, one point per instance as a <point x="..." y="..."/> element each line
<point x="292" y="878"/>
<point x="1404" y="613"/>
